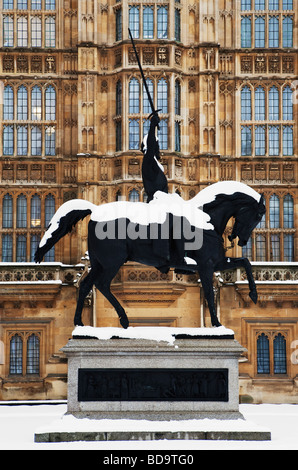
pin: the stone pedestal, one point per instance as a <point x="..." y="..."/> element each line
<point x="124" y="376"/>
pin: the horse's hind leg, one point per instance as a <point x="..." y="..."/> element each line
<point x="85" y="287"/>
<point x="103" y="285"/>
<point x="206" y="276"/>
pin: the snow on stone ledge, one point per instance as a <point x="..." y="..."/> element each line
<point x="157" y="333"/>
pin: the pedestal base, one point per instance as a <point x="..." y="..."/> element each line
<point x="152" y="383"/>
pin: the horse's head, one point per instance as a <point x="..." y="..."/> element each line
<point x="247" y="218"/>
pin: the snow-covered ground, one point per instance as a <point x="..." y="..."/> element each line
<point x="19" y="423"/>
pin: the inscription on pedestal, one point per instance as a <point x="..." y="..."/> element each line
<point x="153" y="385"/>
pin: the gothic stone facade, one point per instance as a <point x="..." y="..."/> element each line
<point x="225" y="74"/>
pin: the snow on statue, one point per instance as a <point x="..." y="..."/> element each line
<point x="148" y="233"/>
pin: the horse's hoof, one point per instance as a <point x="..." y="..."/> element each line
<point x="124" y="322"/>
<point x="78" y="323"/>
<point x="253" y="295"/>
<point x="215" y="322"/>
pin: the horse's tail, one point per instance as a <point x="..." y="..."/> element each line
<point x="61" y="223"/>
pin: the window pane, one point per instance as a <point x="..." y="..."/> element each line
<point x="259" y="4"/>
<point x="35" y="141"/>
<point x="8" y="103"/>
<point x="118" y="25"/>
<point x="247" y="250"/>
<point x="263" y="364"/>
<point x="162" y="95"/>
<point x="163" y="134"/>
<point x="273" y="104"/>
<point x="8" y="138"/>
<point x="260" y="104"/>
<point x="177" y="137"/>
<point x="36" y="4"/>
<point x="246" y="140"/>
<point x="288" y="211"/>
<point x="162" y="22"/>
<point x="50" y="255"/>
<point x="273" y="31"/>
<point x="50" y="103"/>
<point x="36" y="32"/>
<point x="246" y="32"/>
<point x="275" y="248"/>
<point x="50" y="140"/>
<point x="134" y="96"/>
<point x="260" y="133"/>
<point x="35" y="211"/>
<point x="287" y="32"/>
<point x="245" y="5"/>
<point x="273" y="4"/>
<point x="22" y="140"/>
<point x="246" y="104"/>
<point x="7" y="209"/>
<point x="6" y="248"/>
<point x="16" y="355"/>
<point x="279" y="354"/>
<point x="49" y="209"/>
<point x="260" y="32"/>
<point x="21" y="212"/>
<point x="260" y="248"/>
<point x="273" y="140"/>
<point x="177" y="97"/>
<point x="22" y="28"/>
<point x="21" y="249"/>
<point x="22" y="109"/>
<point x="288" y="248"/>
<point x="118" y="136"/>
<point x="134" y="21"/>
<point x="34" y="242"/>
<point x="288" y="140"/>
<point x="118" y="98"/>
<point x="274" y="211"/>
<point x="134" y="196"/>
<point x="50" y="32"/>
<point x="36" y="104"/>
<point x="7" y="31"/>
<point x="50" y="4"/>
<point x="148" y="22"/>
<point x="7" y="4"/>
<point x="287" y="4"/>
<point x="146" y="104"/>
<point x="134" y="134"/>
<point x="287" y="103"/>
<point x="177" y="25"/>
<point x="32" y="355"/>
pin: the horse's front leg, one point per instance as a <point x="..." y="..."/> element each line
<point x="234" y="263"/>
<point x="206" y="276"/>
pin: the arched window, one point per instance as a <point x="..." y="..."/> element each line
<point x="162" y="22"/>
<point x="177" y="97"/>
<point x="8" y="103"/>
<point x="118" y="98"/>
<point x="260" y="31"/>
<point x="134" y="96"/>
<point x="49" y="209"/>
<point x="162" y="95"/>
<point x="148" y="22"/>
<point x="274" y="211"/>
<point x="279" y="354"/>
<point x="273" y="31"/>
<point x="245" y="104"/>
<point x="22" y="103"/>
<point x="7" y="211"/>
<point x="260" y="104"/>
<point x="273" y="104"/>
<point x="6" y="248"/>
<point x="134" y="196"/>
<point x="36" y="103"/>
<point x="33" y="353"/>
<point x="34" y="242"/>
<point x="263" y="359"/>
<point x="22" y="31"/>
<point x="146" y="104"/>
<point x="50" y="32"/>
<point x="50" y="103"/>
<point x="245" y="31"/>
<point x="8" y="31"/>
<point x="288" y="206"/>
<point x="287" y="104"/>
<point x="35" y="211"/>
<point x="134" y="21"/>
<point x="287" y="31"/>
<point x="21" y="248"/>
<point x="36" y="31"/>
<point x="16" y="355"/>
<point x="21" y="211"/>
